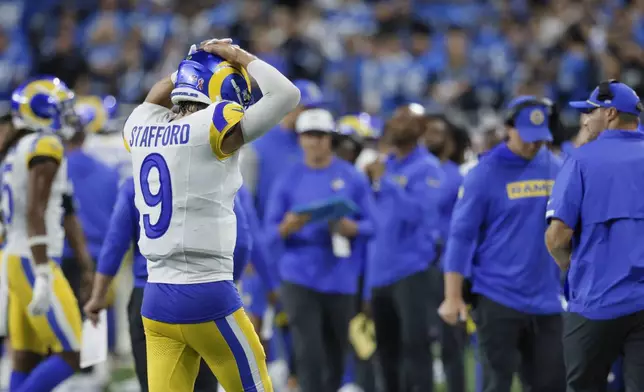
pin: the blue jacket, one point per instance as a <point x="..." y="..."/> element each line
<point x="95" y="188"/>
<point x="277" y="151"/>
<point x="308" y="258"/>
<point x="407" y="216"/>
<point x="598" y="194"/>
<point x="123" y="231"/>
<point x="260" y="256"/>
<point x="497" y="232"/>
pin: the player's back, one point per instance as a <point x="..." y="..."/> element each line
<point x="15" y="182"/>
<point x="185" y="188"/>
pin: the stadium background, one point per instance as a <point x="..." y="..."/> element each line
<point x="465" y="57"/>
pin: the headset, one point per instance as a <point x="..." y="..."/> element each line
<point x="552" y="111"/>
<point x="604" y="93"/>
<point x="512" y="112"/>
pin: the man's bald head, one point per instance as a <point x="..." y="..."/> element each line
<point x="406" y="125"/>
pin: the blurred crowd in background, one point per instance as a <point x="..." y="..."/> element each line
<point x="368" y="55"/>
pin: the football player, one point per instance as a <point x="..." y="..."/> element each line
<point x="186" y="175"/>
<point x="43" y="313"/>
<point x="103" y="140"/>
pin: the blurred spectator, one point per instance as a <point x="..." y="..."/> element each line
<point x="105" y="33"/>
<point x="157" y="23"/>
<point x="367" y="55"/>
<point x="15" y="65"/>
<point x="61" y="56"/>
<point x="131" y="83"/>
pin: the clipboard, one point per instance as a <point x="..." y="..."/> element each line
<point x="327" y="209"/>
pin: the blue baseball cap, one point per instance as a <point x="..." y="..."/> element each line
<point x="531" y="120"/>
<point x="310" y="94"/>
<point x="624" y="99"/>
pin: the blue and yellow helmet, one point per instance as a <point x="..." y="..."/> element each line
<point x="44" y="104"/>
<point x="97" y="114"/>
<point x="206" y="78"/>
<point x="363" y="126"/>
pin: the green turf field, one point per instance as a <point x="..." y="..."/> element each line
<point x="127" y="373"/>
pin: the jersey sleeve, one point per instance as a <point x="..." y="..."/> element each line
<point x="224" y="116"/>
<point x="48" y="146"/>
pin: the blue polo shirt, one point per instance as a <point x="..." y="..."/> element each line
<point x="598" y="194"/>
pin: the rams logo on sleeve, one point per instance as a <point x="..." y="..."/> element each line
<point x="224" y="117"/>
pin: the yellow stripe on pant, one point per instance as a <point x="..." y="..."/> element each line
<point x="59" y="330"/>
<point x="229" y="345"/>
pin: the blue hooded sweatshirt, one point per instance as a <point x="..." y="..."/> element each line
<point x="497" y="231"/>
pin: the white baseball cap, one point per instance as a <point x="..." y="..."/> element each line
<point x="315" y="120"/>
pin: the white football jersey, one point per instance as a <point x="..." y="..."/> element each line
<point x="108" y="148"/>
<point x="185" y="187"/>
<point x="15" y="181"/>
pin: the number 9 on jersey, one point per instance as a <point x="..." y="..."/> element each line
<point x="157" y="195"/>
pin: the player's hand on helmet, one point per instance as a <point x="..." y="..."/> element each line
<point x="42" y="292"/>
<point x="202" y="44"/>
<point x="229" y="52"/>
<point x="93" y="307"/>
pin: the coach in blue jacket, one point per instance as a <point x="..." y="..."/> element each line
<point x="496" y="240"/>
<point x="596" y="215"/>
<point x="407" y="216"/>
<point x="319" y="282"/>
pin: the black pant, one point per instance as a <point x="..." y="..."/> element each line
<point x="452" y="339"/>
<point x="72" y="272"/>
<point x="510" y="340"/>
<point x="401" y="316"/>
<point x="591" y="347"/>
<point x="206" y="381"/>
<point x="319" y="323"/>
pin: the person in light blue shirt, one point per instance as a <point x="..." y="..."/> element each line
<point x="321" y="261"/>
<point x="495" y="241"/>
<point x="595" y="215"/>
